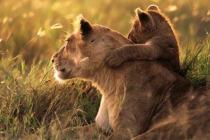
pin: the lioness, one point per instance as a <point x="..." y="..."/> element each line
<point x="140" y="99"/>
<point x="154" y="39"/>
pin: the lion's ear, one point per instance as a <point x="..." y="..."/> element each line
<point x="145" y="19"/>
<point x="82" y="25"/>
<point x="153" y="7"/>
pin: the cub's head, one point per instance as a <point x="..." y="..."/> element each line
<point x="148" y="24"/>
<point x="83" y="54"/>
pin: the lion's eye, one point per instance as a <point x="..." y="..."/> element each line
<point x="67" y="40"/>
<point x="92" y="40"/>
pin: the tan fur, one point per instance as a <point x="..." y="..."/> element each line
<point x="140" y="99"/>
<point x="154" y="39"/>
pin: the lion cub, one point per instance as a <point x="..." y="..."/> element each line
<point x="154" y="39"/>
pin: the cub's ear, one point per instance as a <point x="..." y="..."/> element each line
<point x="82" y="25"/>
<point x="153" y="7"/>
<point x="145" y="19"/>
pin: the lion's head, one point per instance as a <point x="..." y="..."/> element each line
<point x="148" y="24"/>
<point x="84" y="52"/>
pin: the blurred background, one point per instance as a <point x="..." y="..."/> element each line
<point x="34" y="30"/>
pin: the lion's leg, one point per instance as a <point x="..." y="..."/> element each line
<point x="169" y="131"/>
<point x="124" y="132"/>
<point x="121" y="134"/>
<point x="96" y="130"/>
<point x="127" y="126"/>
<point x="93" y="130"/>
<point x="131" y="118"/>
<point x="102" y="118"/>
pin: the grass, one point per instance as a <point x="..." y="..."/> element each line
<point x="196" y="63"/>
<point x="32" y="104"/>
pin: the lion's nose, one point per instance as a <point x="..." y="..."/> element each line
<point x="56" y="55"/>
<point x="52" y="60"/>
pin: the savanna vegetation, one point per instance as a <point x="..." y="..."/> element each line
<point x="35" y="106"/>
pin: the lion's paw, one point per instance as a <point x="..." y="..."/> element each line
<point x="113" y="59"/>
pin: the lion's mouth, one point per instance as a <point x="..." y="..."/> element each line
<point x="61" y="72"/>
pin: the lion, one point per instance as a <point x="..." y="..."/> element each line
<point x="154" y="38"/>
<point x="141" y="100"/>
